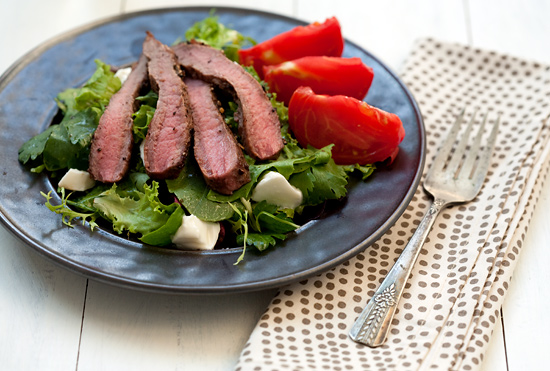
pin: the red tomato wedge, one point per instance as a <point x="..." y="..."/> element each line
<point x="314" y="39"/>
<point x="325" y="75"/>
<point x="360" y="133"/>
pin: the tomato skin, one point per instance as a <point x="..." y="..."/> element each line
<point x="360" y="133"/>
<point x="314" y="39"/>
<point x="325" y="75"/>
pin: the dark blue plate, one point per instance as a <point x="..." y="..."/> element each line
<point x="27" y="106"/>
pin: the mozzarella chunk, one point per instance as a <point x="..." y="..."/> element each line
<point x="77" y="180"/>
<point x="276" y="190"/>
<point x="142" y="150"/>
<point x="195" y="234"/>
<point x="123" y="74"/>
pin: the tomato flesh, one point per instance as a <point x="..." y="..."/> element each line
<point x="325" y="75"/>
<point x="360" y="133"/>
<point x="314" y="39"/>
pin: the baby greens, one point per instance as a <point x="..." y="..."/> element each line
<point x="152" y="210"/>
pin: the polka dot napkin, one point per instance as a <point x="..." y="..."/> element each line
<point x="451" y="303"/>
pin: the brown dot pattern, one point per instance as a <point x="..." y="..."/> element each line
<point x="452" y="300"/>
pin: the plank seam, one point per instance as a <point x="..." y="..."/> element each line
<point x="82" y="324"/>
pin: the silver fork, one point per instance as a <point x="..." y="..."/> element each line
<point x="454" y="177"/>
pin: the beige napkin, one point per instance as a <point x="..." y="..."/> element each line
<point x="448" y="311"/>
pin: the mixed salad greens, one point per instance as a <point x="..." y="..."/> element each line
<point x="151" y="210"/>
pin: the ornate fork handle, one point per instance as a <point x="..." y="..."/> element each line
<point x="373" y="324"/>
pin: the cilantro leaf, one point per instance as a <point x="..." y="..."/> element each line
<point x="63" y="145"/>
<point x="290" y="162"/>
<point x="321" y="182"/>
<point x="261" y="241"/>
<point x="269" y="225"/>
<point x="34" y="147"/>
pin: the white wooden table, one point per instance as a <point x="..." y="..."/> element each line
<point x="52" y="319"/>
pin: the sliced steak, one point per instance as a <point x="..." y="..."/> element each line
<point x="169" y="135"/>
<point x="216" y="150"/>
<point x="112" y="142"/>
<point x="259" y="126"/>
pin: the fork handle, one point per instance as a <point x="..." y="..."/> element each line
<point x="373" y="324"/>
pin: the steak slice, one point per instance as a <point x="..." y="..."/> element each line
<point x="169" y="135"/>
<point x="112" y="142"/>
<point x="259" y="125"/>
<point x="217" y="152"/>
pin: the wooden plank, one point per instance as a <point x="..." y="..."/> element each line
<point x="527" y="325"/>
<point x="40" y="311"/>
<point x="512" y="26"/>
<point x="19" y="22"/>
<point x="41" y="303"/>
<point x="388" y="29"/>
<point x="135" y="330"/>
<point x="495" y="356"/>
<point x="520" y="28"/>
<point x="285" y="7"/>
<point x="128" y="330"/>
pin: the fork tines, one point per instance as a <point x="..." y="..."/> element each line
<point x="456" y="157"/>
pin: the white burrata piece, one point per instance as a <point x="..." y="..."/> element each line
<point x="77" y="180"/>
<point x="123" y="74"/>
<point x="195" y="234"/>
<point x="276" y="190"/>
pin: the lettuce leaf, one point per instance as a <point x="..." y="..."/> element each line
<point x="163" y="235"/>
<point x="211" y="32"/>
<point x="141" y="214"/>
<point x="293" y="160"/>
<point x="191" y="190"/>
<point x="66" y="145"/>
<point x="364" y="170"/>
<point x="142" y="118"/>
<point x="96" y="92"/>
<point x="270" y="220"/>
<point x="68" y="214"/>
<point x="150" y="99"/>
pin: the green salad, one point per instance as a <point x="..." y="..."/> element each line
<point x="152" y="210"/>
